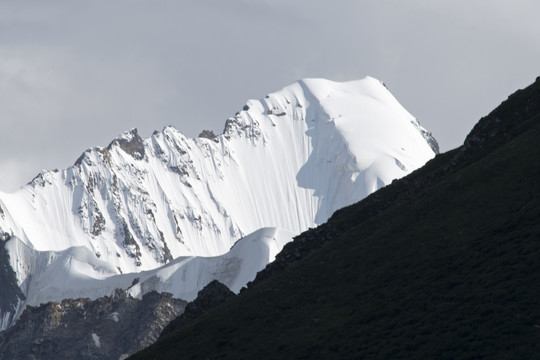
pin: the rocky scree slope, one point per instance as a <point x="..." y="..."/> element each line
<point x="107" y="328"/>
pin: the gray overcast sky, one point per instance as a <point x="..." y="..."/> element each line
<point x="75" y="74"/>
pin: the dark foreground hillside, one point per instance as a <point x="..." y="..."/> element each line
<point x="442" y="264"/>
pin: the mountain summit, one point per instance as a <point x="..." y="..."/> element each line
<point x="441" y="264"/>
<point x="285" y="162"/>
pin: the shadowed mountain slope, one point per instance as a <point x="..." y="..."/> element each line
<point x="440" y="264"/>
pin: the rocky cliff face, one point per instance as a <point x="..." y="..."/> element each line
<point x="10" y="294"/>
<point x="111" y="327"/>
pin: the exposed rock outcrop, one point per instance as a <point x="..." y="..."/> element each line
<point x="106" y="328"/>
<point x="10" y="293"/>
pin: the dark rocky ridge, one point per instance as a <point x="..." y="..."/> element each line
<point x="452" y="274"/>
<point x="106" y="328"/>
<point x="212" y="295"/>
<point x="133" y="147"/>
<point x="303" y="245"/>
<point x="10" y="294"/>
<point x="507" y="120"/>
<point x="432" y="142"/>
<point x="209" y="134"/>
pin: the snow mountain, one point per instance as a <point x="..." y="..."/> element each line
<point x="164" y="212"/>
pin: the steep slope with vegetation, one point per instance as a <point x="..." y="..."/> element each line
<point x="441" y="264"/>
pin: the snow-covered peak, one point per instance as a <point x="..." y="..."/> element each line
<point x="275" y="164"/>
<point x="287" y="161"/>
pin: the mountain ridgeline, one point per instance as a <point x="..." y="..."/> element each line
<point x="442" y="263"/>
<point x="163" y="213"/>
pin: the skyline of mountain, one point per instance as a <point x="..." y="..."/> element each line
<point x="442" y="263"/>
<point x="121" y="214"/>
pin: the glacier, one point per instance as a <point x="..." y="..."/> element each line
<point x="167" y="212"/>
